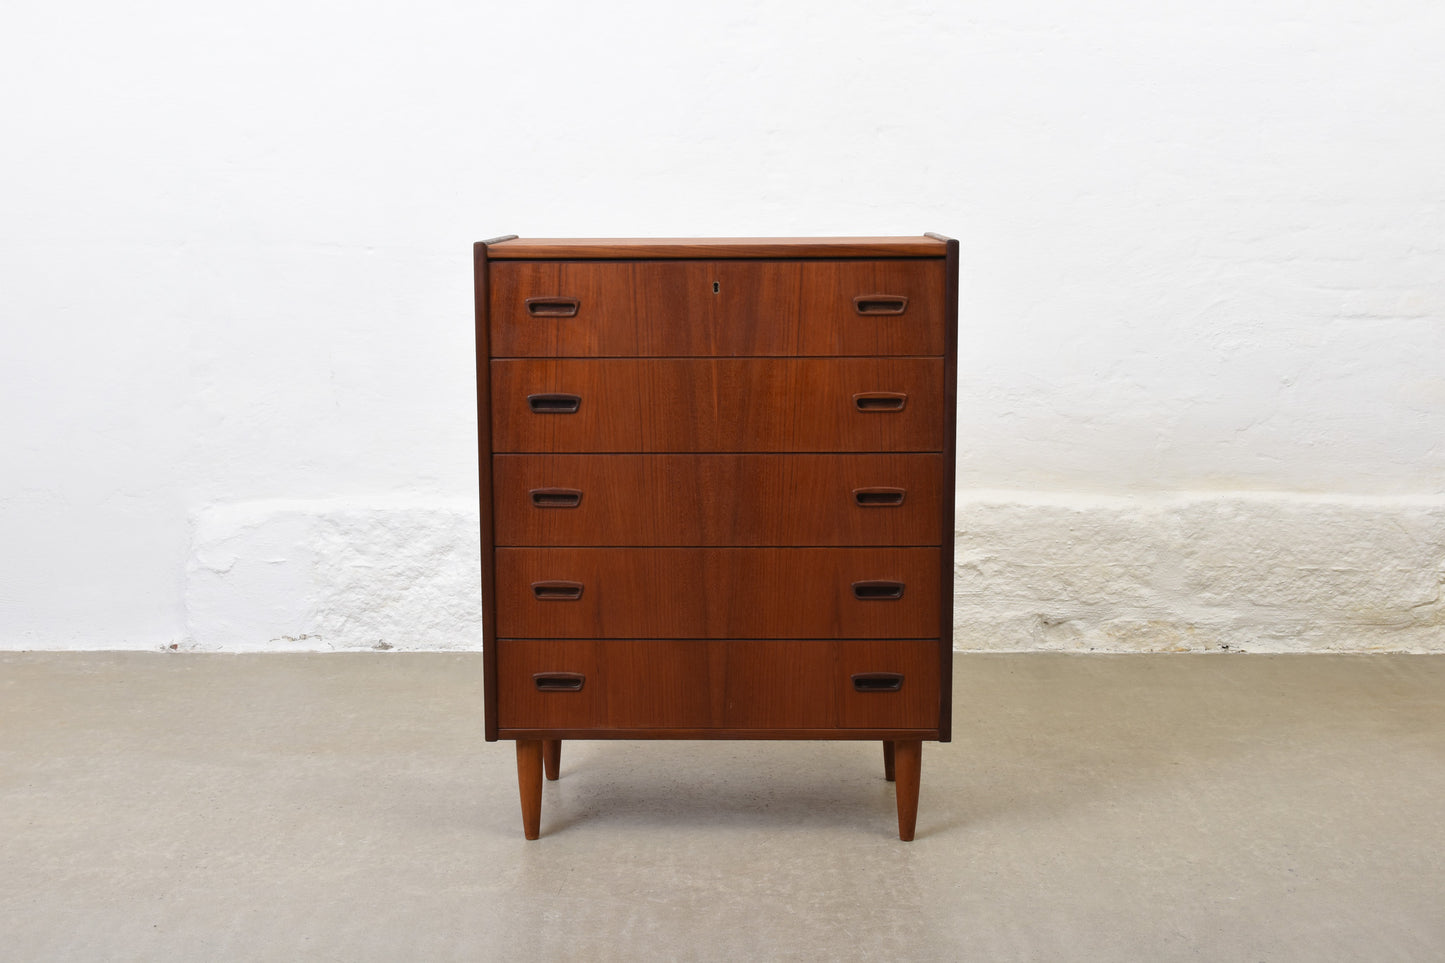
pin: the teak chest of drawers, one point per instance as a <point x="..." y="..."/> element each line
<point x="717" y="493"/>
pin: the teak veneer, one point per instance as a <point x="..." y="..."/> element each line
<point x="717" y="493"/>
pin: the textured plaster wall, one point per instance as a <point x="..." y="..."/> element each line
<point x="1201" y="396"/>
<point x="1199" y="572"/>
<point x="1182" y="572"/>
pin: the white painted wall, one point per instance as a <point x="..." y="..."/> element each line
<point x="1202" y="379"/>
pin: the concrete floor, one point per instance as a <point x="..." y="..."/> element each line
<point x="225" y="807"/>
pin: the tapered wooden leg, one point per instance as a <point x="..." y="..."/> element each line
<point x="552" y="757"/>
<point x="529" y="783"/>
<point x="888" y="760"/>
<point x="908" y="762"/>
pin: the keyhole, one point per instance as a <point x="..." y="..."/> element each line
<point x="714" y="287"/>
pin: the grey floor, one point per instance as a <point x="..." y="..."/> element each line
<point x="223" y="807"/>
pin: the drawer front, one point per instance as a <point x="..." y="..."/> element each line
<point x="734" y="307"/>
<point x="547" y="682"/>
<point x="733" y="684"/>
<point x="717" y="499"/>
<point x="886" y="685"/>
<point x="722" y="405"/>
<point x="700" y="593"/>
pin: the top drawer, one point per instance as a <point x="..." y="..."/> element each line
<point x="561" y="309"/>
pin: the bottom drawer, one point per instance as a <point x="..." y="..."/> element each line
<point x="730" y="684"/>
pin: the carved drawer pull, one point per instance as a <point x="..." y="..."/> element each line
<point x="875" y="304"/>
<point x="552" y="307"/>
<point x="559" y="681"/>
<point x="555" y="497"/>
<point x="878" y="497"/>
<point x="880" y="400"/>
<point x="878" y="681"/>
<point x="556" y="591"/>
<point x="878" y="590"/>
<point x="554" y="404"/>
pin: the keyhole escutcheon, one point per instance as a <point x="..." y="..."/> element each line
<point x="715" y="287"/>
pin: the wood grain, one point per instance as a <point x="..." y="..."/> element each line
<point x="480" y="276"/>
<point x="655" y="683"/>
<point x="714" y="733"/>
<point x="717" y="247"/>
<point x="720" y="405"/>
<point x="780" y="684"/>
<point x="552" y="758"/>
<point x="946" y="520"/>
<point x="717" y="593"/>
<point x="719" y="308"/>
<point x="715" y="499"/>
<point x="520" y="702"/>
<point x="743" y="685"/>
<point x="529" y="785"/>
<point x="701" y="495"/>
<point x="908" y="767"/>
<point x="913" y="706"/>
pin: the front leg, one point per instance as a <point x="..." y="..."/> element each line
<point x="529" y="784"/>
<point x="907" y="767"/>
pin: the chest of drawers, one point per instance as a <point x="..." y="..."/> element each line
<point x="717" y="493"/>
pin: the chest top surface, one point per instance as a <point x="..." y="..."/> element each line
<point x="540" y="248"/>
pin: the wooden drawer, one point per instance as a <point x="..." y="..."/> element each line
<point x="717" y="499"/>
<point x="687" y="308"/>
<point x="740" y="684"/>
<point x="887" y="684"/>
<point x="717" y="592"/>
<point x="722" y="405"/>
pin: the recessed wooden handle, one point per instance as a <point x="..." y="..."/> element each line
<point x="878" y="590"/>
<point x="552" y="307"/>
<point x="555" y="497"/>
<point x="559" y="681"/>
<point x="878" y="681"/>
<point x="556" y="591"/>
<point x="880" y="304"/>
<point x="554" y="404"/>
<point x="878" y="497"/>
<point x="880" y="400"/>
